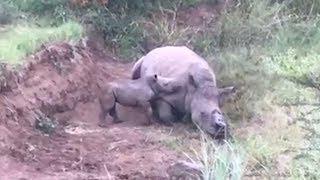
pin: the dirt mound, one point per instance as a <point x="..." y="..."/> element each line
<point x="60" y="83"/>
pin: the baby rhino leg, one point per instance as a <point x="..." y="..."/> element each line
<point x="163" y="112"/>
<point x="108" y="106"/>
<point x="147" y="110"/>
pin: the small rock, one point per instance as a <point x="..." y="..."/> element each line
<point x="185" y="170"/>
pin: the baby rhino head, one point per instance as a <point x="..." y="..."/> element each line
<point x="160" y="84"/>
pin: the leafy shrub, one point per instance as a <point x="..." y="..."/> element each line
<point x="122" y="23"/>
<point x="306" y="8"/>
<point x="7" y="13"/>
<point x="55" y="12"/>
<point x="45" y="124"/>
<point x="38" y="7"/>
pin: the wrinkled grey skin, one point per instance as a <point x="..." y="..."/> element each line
<point x="134" y="93"/>
<point x="200" y="98"/>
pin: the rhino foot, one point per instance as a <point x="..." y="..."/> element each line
<point x="167" y="123"/>
<point x="186" y="118"/>
<point x="193" y="126"/>
<point x="116" y="121"/>
<point x="102" y="124"/>
<point x="147" y="123"/>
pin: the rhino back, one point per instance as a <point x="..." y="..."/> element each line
<point x="173" y="62"/>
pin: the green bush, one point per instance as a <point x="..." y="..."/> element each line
<point x="306" y="8"/>
<point x="55" y="12"/>
<point x="37" y="7"/>
<point x="7" y="13"/>
<point x="45" y="124"/>
<point x="122" y="23"/>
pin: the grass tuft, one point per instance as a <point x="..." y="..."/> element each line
<point x="227" y="161"/>
<point x="22" y="40"/>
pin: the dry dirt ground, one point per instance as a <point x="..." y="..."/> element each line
<point x="62" y="82"/>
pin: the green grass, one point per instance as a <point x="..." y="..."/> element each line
<point x="259" y="150"/>
<point x="22" y="40"/>
<point x="227" y="161"/>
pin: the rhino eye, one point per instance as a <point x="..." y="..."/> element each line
<point x="203" y="114"/>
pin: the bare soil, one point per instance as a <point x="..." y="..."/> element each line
<point x="61" y="82"/>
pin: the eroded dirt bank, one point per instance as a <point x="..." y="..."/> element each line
<point x="61" y="82"/>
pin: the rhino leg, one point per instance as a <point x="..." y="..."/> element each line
<point x="114" y="114"/>
<point x="108" y="106"/>
<point x="106" y="102"/>
<point x="186" y="118"/>
<point x="102" y="121"/>
<point x="163" y="112"/>
<point x="147" y="110"/>
<point x="155" y="114"/>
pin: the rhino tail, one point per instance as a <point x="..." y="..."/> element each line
<point x="136" y="70"/>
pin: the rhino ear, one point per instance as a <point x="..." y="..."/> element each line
<point x="192" y="81"/>
<point x="226" y="91"/>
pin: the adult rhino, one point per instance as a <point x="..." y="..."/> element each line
<point x="200" y="98"/>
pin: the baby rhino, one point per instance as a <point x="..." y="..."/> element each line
<point x="135" y="93"/>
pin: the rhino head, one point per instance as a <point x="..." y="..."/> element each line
<point x="205" y="103"/>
